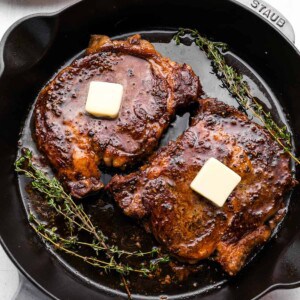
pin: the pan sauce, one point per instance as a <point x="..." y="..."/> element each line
<point x="122" y="230"/>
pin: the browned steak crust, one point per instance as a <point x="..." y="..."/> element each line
<point x="188" y="225"/>
<point x="76" y="143"/>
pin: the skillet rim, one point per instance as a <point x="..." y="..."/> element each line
<point x="56" y="14"/>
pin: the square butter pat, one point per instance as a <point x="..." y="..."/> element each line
<point x="104" y="99"/>
<point x="215" y="181"/>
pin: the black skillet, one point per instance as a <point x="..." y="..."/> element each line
<point x="37" y="47"/>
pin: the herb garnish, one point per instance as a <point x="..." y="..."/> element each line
<point x="77" y="220"/>
<point x="238" y="87"/>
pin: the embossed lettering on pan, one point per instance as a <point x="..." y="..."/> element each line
<point x="268" y="13"/>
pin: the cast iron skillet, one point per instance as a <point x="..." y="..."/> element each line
<point x="38" y="46"/>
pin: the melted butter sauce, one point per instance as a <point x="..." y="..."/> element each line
<point x="125" y="232"/>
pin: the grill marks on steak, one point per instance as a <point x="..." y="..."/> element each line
<point x="188" y="225"/>
<point x="76" y="143"/>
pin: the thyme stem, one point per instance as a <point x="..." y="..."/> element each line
<point x="238" y="87"/>
<point x="77" y="219"/>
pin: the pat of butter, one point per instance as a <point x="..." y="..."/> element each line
<point x="215" y="181"/>
<point x="104" y="99"/>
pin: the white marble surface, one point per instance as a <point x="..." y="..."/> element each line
<point x="13" y="10"/>
<point x="9" y="279"/>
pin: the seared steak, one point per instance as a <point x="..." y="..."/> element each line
<point x="188" y="225"/>
<point x="76" y="143"/>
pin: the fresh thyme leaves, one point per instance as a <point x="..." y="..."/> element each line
<point x="238" y="87"/>
<point x="155" y="262"/>
<point x="77" y="220"/>
<point x="68" y="244"/>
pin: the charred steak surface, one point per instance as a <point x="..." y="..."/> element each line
<point x="188" y="225"/>
<point x="76" y="143"/>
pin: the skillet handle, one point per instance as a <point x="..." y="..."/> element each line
<point x="271" y="15"/>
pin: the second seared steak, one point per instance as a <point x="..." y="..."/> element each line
<point x="188" y="225"/>
<point x="76" y="143"/>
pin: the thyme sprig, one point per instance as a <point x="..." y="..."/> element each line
<point x="67" y="244"/>
<point x="238" y="87"/>
<point x="77" y="220"/>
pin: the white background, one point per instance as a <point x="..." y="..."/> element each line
<point x="13" y="10"/>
